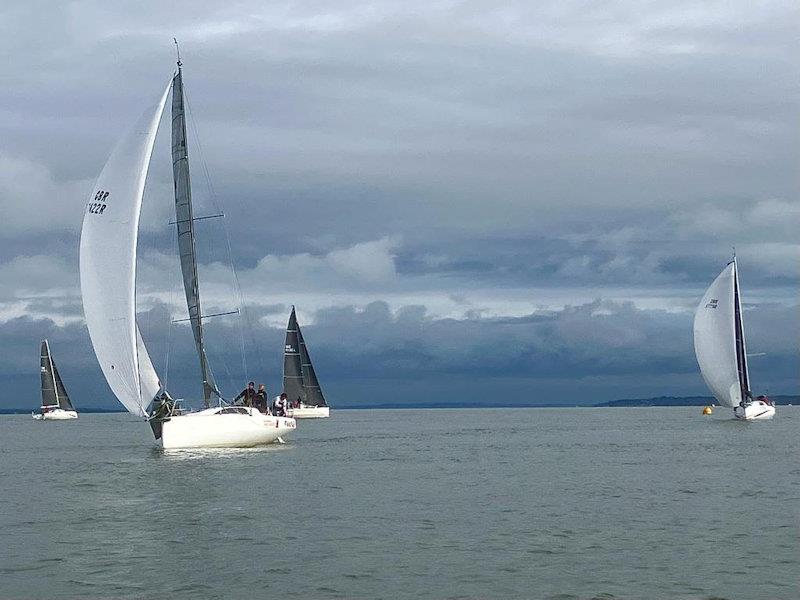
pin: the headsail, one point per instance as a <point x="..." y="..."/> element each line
<point x="185" y="224"/>
<point x="108" y="262"/>
<point x="715" y="338"/>
<point x="313" y="392"/>
<point x="292" y="366"/>
<point x="53" y="392"/>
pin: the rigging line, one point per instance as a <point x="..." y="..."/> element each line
<point x="217" y="202"/>
<point x="170" y="307"/>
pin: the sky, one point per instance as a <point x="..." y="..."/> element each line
<point x="510" y="202"/>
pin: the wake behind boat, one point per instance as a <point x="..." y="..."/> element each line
<point x="300" y="383"/>
<point x="721" y="350"/>
<point x="108" y="281"/>
<point x="56" y="405"/>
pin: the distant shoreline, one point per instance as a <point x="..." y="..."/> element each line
<point x="625" y="403"/>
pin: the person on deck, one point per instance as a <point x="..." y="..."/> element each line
<point x="280" y="405"/>
<point x="262" y="401"/>
<point x="247" y="395"/>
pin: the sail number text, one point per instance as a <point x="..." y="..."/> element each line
<point x="98" y="205"/>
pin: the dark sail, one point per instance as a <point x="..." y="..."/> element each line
<point x="53" y="391"/>
<point x="313" y="392"/>
<point x="741" y="351"/>
<point x="185" y="224"/>
<point x="292" y="366"/>
<point x="49" y="397"/>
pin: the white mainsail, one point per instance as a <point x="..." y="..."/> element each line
<point x="108" y="264"/>
<point x="715" y="338"/>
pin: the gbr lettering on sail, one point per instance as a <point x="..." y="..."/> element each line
<point x="98" y="204"/>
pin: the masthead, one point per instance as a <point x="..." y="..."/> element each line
<point x="177" y="51"/>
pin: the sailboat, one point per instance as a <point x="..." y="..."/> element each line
<point x="300" y="381"/>
<point x="721" y="350"/>
<point x="56" y="405"/>
<point x="108" y="286"/>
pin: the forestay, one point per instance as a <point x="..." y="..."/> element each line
<point x="715" y="339"/>
<point x="108" y="264"/>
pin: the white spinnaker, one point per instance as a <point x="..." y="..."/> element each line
<point x="108" y="264"/>
<point x="715" y="339"/>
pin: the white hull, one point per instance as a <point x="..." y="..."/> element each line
<point x="57" y="414"/>
<point x="229" y="427"/>
<point x="310" y="412"/>
<point x="754" y="411"/>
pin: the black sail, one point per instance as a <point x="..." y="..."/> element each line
<point x="313" y="392"/>
<point x="741" y="350"/>
<point x="53" y="391"/>
<point x="292" y="366"/>
<point x="49" y="397"/>
<point x="185" y="223"/>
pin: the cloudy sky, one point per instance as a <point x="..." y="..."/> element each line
<point x="467" y="201"/>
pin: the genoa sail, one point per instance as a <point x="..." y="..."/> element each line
<point x="715" y="338"/>
<point x="292" y="365"/>
<point x="311" y="387"/>
<point x="185" y="224"/>
<point x="54" y="394"/>
<point x="108" y="264"/>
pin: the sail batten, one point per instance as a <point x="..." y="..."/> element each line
<point x="184" y="221"/>
<point x="108" y="264"/>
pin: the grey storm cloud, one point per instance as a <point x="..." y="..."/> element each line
<point x="587" y="345"/>
<point x="494" y="176"/>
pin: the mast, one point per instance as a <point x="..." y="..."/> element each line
<point x="738" y="324"/>
<point x="185" y="224"/>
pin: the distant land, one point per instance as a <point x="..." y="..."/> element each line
<point x="628" y="402"/>
<point x="685" y="401"/>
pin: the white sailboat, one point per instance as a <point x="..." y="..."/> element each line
<point x="56" y="405"/>
<point x="300" y="382"/>
<point x="108" y="281"/>
<point x="721" y="350"/>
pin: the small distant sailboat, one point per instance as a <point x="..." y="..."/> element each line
<point x="300" y="381"/>
<point x="108" y="286"/>
<point x="56" y="405"/>
<point x="721" y="351"/>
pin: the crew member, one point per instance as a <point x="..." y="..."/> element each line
<point x="262" y="402"/>
<point x="247" y="395"/>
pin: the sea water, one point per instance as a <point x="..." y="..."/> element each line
<point x="510" y="503"/>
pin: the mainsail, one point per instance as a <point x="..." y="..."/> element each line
<point x="108" y="265"/>
<point x="53" y="392"/>
<point x="292" y="365"/>
<point x="741" y="347"/>
<point x="185" y="224"/>
<point x="313" y="392"/>
<point x="718" y="341"/>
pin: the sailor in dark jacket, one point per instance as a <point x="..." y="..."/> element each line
<point x="247" y="395"/>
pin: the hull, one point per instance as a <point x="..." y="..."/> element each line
<point x="56" y="415"/>
<point x="229" y="427"/>
<point x="310" y="412"/>
<point x="754" y="411"/>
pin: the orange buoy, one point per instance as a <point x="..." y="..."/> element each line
<point x="707" y="410"/>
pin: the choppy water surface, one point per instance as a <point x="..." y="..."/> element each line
<point x="527" y="503"/>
